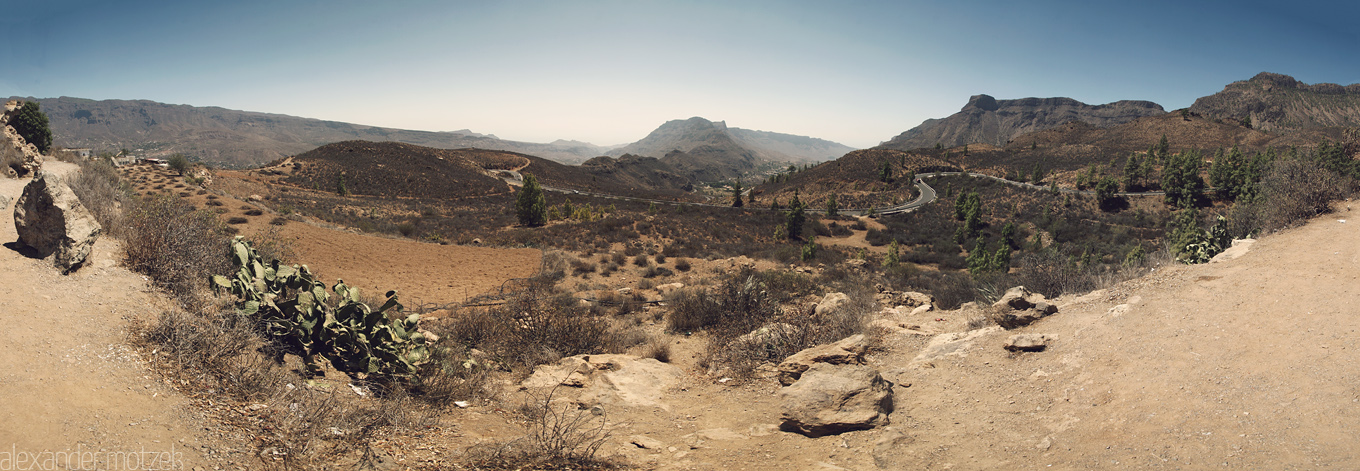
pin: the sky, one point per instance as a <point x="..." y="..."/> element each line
<point x="609" y="72"/>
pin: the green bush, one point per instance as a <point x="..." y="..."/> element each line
<point x="31" y="123"/>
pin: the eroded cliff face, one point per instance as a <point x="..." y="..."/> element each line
<point x="986" y="120"/>
<point x="1275" y="102"/>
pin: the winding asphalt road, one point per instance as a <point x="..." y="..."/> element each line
<point x="926" y="196"/>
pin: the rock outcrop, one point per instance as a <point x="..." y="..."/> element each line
<point x="50" y="219"/>
<point x="847" y="351"/>
<point x="622" y="380"/>
<point x="1027" y="343"/>
<point x="831" y="399"/>
<point x="986" y="120"/>
<point x="1019" y="308"/>
<point x="12" y="142"/>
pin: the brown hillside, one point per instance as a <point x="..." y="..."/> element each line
<point x="393" y="169"/>
<point x="1076" y="145"/>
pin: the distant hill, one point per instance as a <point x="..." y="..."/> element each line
<point x="775" y="146"/>
<point x="703" y="150"/>
<point x="1275" y="102"/>
<point x="237" y="139"/>
<point x="394" y="169"/>
<point x="986" y="120"/>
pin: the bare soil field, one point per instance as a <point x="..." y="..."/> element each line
<point x="420" y="271"/>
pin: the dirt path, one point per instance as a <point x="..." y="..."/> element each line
<point x="70" y="383"/>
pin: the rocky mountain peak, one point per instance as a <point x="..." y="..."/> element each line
<point x="982" y="102"/>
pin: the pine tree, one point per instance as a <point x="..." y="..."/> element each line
<point x="736" y="194"/>
<point x="978" y="259"/>
<point x="1132" y="178"/>
<point x="1008" y="234"/>
<point x="531" y="207"/>
<point x="832" y="208"/>
<point x="1001" y="260"/>
<point x="891" y="260"/>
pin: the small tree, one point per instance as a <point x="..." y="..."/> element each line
<point x="794" y="217"/>
<point x="1008" y="234"/>
<point x="832" y="208"/>
<point x="736" y="194"/>
<point x="1105" y="193"/>
<point x="531" y="207"/>
<point x="1001" y="260"/>
<point x="809" y="249"/>
<point x="31" y="123"/>
<point x="179" y="164"/>
<point x="892" y="260"/>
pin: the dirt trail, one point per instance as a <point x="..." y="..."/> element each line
<point x="70" y="382"/>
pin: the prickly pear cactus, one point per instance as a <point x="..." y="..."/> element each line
<point x="294" y="309"/>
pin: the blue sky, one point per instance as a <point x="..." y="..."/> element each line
<point x="610" y="72"/>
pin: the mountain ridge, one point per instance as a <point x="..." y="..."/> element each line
<point x="986" y="120"/>
<point x="235" y="138"/>
<point x="1278" y="102"/>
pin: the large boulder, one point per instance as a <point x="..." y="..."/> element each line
<point x="50" y="220"/>
<point x="831" y="399"/>
<point x="847" y="351"/>
<point x="1019" y="308"/>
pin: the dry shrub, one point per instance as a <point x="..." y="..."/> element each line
<point x="682" y="264"/>
<point x="1296" y="190"/>
<point x="297" y="426"/>
<point x="177" y="247"/>
<point x="560" y="435"/>
<point x="98" y="186"/>
<point x="748" y="326"/>
<point x="582" y="267"/>
<point x="535" y="326"/>
<point x="640" y="260"/>
<point x="658" y="349"/>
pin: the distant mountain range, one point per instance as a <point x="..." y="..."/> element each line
<point x="695" y="149"/>
<point x="236" y="139"/>
<point x="986" y="120"/>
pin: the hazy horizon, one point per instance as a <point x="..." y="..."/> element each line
<point x="608" y="73"/>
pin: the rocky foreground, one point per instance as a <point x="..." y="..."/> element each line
<point x="1246" y="362"/>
